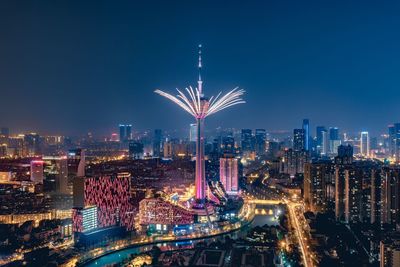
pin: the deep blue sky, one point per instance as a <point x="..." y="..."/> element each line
<point x="77" y="66"/>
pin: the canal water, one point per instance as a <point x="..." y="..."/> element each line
<point x="264" y="216"/>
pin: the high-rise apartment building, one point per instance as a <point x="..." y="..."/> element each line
<point x="364" y="144"/>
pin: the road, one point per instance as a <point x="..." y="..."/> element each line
<point x="298" y="223"/>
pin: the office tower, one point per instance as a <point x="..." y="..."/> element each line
<point x="317" y="176"/>
<point x="389" y="251"/>
<point x="228" y="174"/>
<point x="390" y="196"/>
<point x="246" y="141"/>
<point x="122" y="133"/>
<point x="125" y="132"/>
<point x="298" y="139"/>
<point x="136" y="150"/>
<point x="193" y="132"/>
<point x="364" y="144"/>
<point x="76" y="162"/>
<point x="334" y="140"/>
<point x="57" y="167"/>
<point x="157" y="141"/>
<point x="228" y="145"/>
<point x="320" y="138"/>
<point x="37" y="171"/>
<point x="394" y="142"/>
<point x="128" y="128"/>
<point x="260" y="141"/>
<point x="306" y="129"/>
<point x="108" y="196"/>
<point x="353" y="195"/>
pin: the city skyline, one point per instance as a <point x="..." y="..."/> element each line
<point x="296" y="61"/>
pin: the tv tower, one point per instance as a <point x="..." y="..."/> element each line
<point x="200" y="107"/>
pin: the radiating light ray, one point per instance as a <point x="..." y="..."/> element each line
<point x="200" y="107"/>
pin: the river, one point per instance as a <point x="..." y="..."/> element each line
<point x="121" y="255"/>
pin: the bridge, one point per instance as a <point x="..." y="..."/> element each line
<point x="265" y="201"/>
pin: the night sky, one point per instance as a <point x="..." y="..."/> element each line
<point x="69" y="67"/>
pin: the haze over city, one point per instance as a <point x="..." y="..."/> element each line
<point x="78" y="67"/>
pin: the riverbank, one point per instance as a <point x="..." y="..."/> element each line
<point x="95" y="254"/>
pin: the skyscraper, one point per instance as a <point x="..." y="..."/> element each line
<point x="193" y="132"/>
<point x="228" y="173"/>
<point x="325" y="143"/>
<point x="316" y="177"/>
<point x="343" y="162"/>
<point x="76" y="162"/>
<point x="157" y="143"/>
<point x="306" y="128"/>
<point x="364" y="144"/>
<point x="298" y="139"/>
<point x="58" y="167"/>
<point x="352" y="195"/>
<point x="334" y="140"/>
<point x="125" y="132"/>
<point x="389" y="251"/>
<point x="136" y="150"/>
<point x="261" y="137"/>
<point x="319" y="131"/>
<point x="246" y="141"/>
<point x="394" y="141"/>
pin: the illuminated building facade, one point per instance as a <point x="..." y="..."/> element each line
<point x="228" y="174"/>
<point x="156" y="211"/>
<point x="364" y="144"/>
<point x="37" y="171"/>
<point x="76" y="162"/>
<point x="109" y="194"/>
<point x="57" y="167"/>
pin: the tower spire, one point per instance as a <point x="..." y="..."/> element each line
<point x="200" y="82"/>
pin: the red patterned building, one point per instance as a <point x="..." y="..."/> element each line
<point x="110" y="195"/>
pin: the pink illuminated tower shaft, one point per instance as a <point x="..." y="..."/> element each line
<point x="200" y="179"/>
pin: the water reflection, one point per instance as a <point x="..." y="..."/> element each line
<point x="259" y="220"/>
